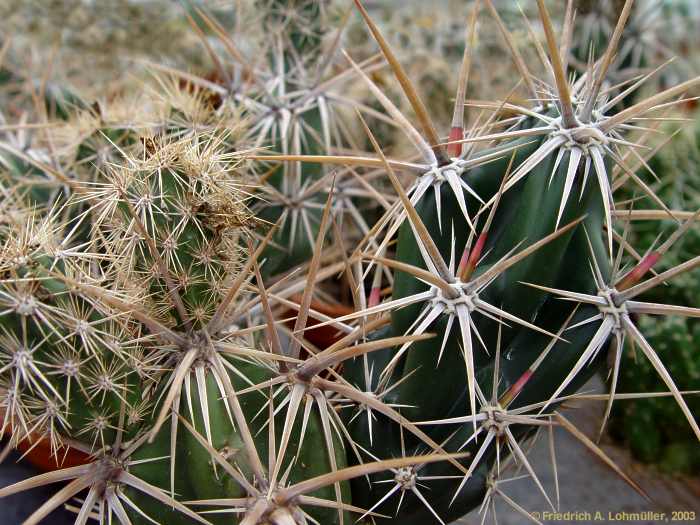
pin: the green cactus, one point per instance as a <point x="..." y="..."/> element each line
<point x="148" y="316"/>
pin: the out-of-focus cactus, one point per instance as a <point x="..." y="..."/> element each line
<point x="657" y="33"/>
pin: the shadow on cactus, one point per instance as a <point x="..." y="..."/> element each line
<point x="145" y="319"/>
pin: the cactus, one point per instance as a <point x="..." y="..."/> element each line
<point x="657" y="32"/>
<point x="292" y="108"/>
<point x="146" y="301"/>
<point x="668" y="444"/>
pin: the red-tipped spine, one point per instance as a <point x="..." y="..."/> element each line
<point x="454" y="148"/>
<point x="374" y="296"/>
<point x="376" y="293"/>
<point x="465" y="270"/>
<point x="636" y="273"/>
<point x="515" y="388"/>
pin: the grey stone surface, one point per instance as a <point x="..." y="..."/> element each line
<point x="15" y="509"/>
<point x="588" y="486"/>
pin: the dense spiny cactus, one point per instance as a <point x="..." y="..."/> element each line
<point x="146" y="320"/>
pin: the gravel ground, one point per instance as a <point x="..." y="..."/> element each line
<point x="588" y="486"/>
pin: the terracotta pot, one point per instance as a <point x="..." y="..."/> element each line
<point x="40" y="456"/>
<point x="324" y="336"/>
<point x="37" y="451"/>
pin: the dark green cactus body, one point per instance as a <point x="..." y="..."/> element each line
<point x="152" y="338"/>
<point x="527" y="213"/>
<point x="195" y="471"/>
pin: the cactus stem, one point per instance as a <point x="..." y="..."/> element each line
<point x="469" y="262"/>
<point x="423" y="236"/>
<point x="242" y="422"/>
<point x="502" y="265"/>
<point x="460" y="302"/>
<point x="615" y="307"/>
<point x="160" y="263"/>
<point x="98" y="293"/>
<point x="509" y="396"/>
